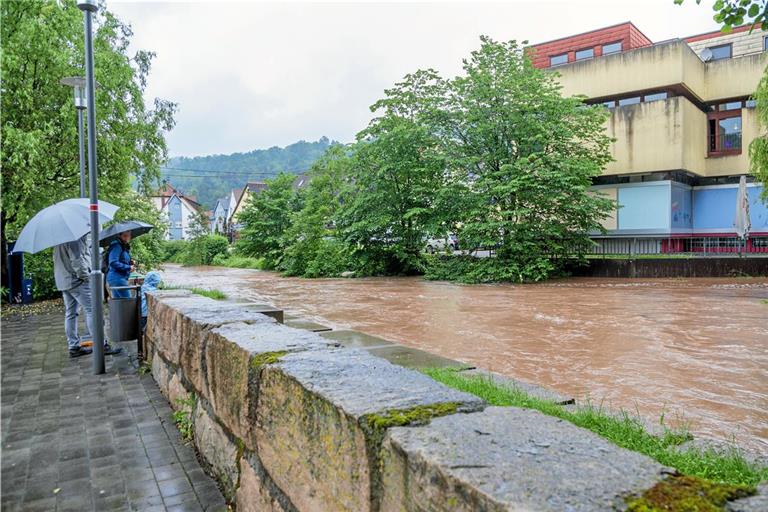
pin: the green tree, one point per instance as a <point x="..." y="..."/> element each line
<point x="266" y="218"/>
<point x="312" y="248"/>
<point x="200" y="225"/>
<point x="758" y="148"/>
<point x="42" y="42"/>
<point x="528" y="156"/>
<point x="734" y="13"/>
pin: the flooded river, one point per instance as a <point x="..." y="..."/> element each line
<point x="696" y="348"/>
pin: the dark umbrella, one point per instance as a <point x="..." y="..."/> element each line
<point x="135" y="227"/>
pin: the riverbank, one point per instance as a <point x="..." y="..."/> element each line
<point x="690" y="350"/>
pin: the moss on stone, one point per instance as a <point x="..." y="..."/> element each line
<point x="267" y="358"/>
<point x="415" y="415"/>
<point x="687" y="494"/>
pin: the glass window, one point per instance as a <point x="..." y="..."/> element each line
<point x="729" y="133"/>
<point x="725" y="134"/>
<point x="721" y="52"/>
<point x="558" y="59"/>
<point x="733" y="105"/>
<point x="750" y="103"/>
<point x="765" y="43"/>
<point x="611" y="48"/>
<point x="609" y="104"/>
<point x="629" y="101"/>
<point x="656" y="96"/>
<point x="585" y="54"/>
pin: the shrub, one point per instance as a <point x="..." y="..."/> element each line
<point x="469" y="269"/>
<point x="39" y="268"/>
<point x="234" y="261"/>
<point x="202" y="250"/>
<point x="172" y="249"/>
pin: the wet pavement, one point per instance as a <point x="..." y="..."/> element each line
<point x="692" y="350"/>
<point x="75" y="441"/>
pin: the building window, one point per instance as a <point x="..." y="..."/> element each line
<point x="556" y="60"/>
<point x="655" y="97"/>
<point x="765" y="43"/>
<point x="750" y="103"/>
<point x="724" y="132"/>
<point x="732" y="105"/>
<point x="609" y="104"/>
<point x="720" y="52"/>
<point x="629" y="101"/>
<point x="587" y="53"/>
<point x="611" y="48"/>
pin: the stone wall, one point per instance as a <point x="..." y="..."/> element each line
<point x="287" y="420"/>
<point x="710" y="266"/>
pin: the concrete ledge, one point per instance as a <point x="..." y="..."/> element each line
<point x="509" y="459"/>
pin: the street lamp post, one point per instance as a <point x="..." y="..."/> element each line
<point x="96" y="279"/>
<point x="78" y="85"/>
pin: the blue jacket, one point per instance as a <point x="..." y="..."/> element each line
<point x="119" y="262"/>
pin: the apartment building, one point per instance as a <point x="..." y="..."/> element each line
<point x="682" y="117"/>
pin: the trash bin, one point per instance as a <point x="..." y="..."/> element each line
<point x="124" y="315"/>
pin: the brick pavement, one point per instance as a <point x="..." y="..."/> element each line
<point x="72" y="440"/>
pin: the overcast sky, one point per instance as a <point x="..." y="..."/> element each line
<point x="250" y="75"/>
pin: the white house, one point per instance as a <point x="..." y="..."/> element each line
<point x="178" y="209"/>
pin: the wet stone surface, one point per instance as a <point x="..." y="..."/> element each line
<point x="508" y="459"/>
<point x="72" y="440"/>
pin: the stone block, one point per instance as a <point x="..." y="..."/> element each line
<point x="531" y="389"/>
<point x="254" y="495"/>
<point x="414" y="358"/>
<point x="506" y="458"/>
<point x="308" y="325"/>
<point x="321" y="417"/>
<point x="219" y="452"/>
<point x="355" y="339"/>
<point x="177" y="393"/>
<point x="757" y="503"/>
<point x="161" y="373"/>
<point x="264" y="309"/>
<point x="181" y="327"/>
<point x="233" y="356"/>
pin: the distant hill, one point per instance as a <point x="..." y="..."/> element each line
<point x="211" y="177"/>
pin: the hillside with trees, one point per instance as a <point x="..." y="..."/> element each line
<point x="211" y="177"/>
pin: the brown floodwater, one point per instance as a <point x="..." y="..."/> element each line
<point x="695" y="349"/>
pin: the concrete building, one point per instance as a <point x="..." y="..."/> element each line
<point x="250" y="188"/>
<point x="179" y="210"/>
<point x="682" y="119"/>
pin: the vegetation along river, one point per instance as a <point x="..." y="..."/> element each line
<point x="690" y="348"/>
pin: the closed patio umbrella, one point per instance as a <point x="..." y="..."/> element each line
<point x="742" y="222"/>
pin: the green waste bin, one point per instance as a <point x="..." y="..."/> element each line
<point x="124" y="315"/>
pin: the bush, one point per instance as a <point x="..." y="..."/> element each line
<point x="223" y="260"/>
<point x="39" y="268"/>
<point x="202" y="250"/>
<point x="469" y="269"/>
<point x="172" y="249"/>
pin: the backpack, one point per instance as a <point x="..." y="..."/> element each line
<point x="105" y="262"/>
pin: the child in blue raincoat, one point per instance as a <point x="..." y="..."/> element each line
<point x="151" y="282"/>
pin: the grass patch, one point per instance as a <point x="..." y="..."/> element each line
<point x="413" y="416"/>
<point x="265" y="358"/>
<point x="622" y="429"/>
<point x="687" y="493"/>
<point x="210" y="293"/>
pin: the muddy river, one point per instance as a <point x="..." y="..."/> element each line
<point x="690" y="349"/>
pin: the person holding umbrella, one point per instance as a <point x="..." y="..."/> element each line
<point x="119" y="263"/>
<point x="65" y="226"/>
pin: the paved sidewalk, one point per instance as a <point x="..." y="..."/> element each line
<point x="75" y="441"/>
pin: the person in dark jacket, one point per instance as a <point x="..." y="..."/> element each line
<point x="120" y="264"/>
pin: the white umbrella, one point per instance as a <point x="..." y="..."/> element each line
<point x="742" y="222"/>
<point x="60" y="223"/>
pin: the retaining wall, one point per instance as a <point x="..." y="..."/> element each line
<point x="287" y="420"/>
<point x="710" y="266"/>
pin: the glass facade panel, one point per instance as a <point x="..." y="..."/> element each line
<point x="655" y="97"/>
<point x="629" y="101"/>
<point x="587" y="53"/>
<point x="558" y="59"/>
<point x="611" y="48"/>
<point x="644" y="207"/>
<point x="721" y="52"/>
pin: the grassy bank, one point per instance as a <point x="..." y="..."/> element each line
<point x="239" y="262"/>
<point x="623" y="430"/>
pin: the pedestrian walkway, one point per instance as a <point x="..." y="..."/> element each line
<point x="76" y="441"/>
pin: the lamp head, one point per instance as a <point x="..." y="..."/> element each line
<point x="88" y="5"/>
